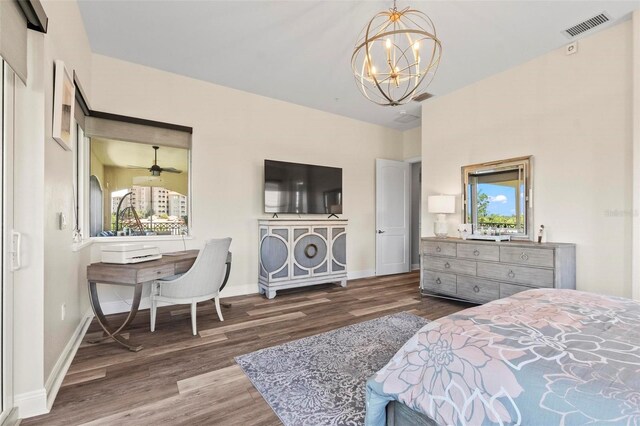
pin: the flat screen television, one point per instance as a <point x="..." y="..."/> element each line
<point x="302" y="188"/>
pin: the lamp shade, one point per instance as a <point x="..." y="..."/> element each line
<point x="441" y="204"/>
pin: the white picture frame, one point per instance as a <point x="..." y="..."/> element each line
<point x="64" y="93"/>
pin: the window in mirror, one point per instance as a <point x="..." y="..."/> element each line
<point x="145" y="189"/>
<point x="497" y="197"/>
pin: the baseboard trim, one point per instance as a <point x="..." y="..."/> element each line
<point x="415" y="266"/>
<point x="354" y="275"/>
<point x="53" y="383"/>
<point x="30" y="404"/>
<point x="10" y="419"/>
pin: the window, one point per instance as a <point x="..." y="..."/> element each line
<point x="497" y="197"/>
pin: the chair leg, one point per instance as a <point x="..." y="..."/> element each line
<point x="217" y="300"/>
<point x="154" y="306"/>
<point x="194" y="329"/>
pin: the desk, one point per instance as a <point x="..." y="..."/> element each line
<point x="135" y="275"/>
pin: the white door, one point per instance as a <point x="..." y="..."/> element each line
<point x="10" y="239"/>
<point x="393" y="217"/>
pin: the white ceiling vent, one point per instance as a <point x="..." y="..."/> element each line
<point x="587" y="25"/>
<point x="422" y="97"/>
<point x="405" y="118"/>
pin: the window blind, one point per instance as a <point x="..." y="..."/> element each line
<point x="132" y="129"/>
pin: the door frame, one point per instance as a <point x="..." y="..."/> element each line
<point x="7" y="117"/>
<point x="412" y="161"/>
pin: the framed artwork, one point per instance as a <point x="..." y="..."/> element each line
<point x="64" y="93"/>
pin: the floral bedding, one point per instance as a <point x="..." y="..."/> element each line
<point x="540" y="357"/>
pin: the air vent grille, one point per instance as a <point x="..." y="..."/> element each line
<point x="406" y="118"/>
<point x="423" y="97"/>
<point x="587" y="25"/>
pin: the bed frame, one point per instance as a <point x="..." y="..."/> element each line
<point x="399" y="414"/>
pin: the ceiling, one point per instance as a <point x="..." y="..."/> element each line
<point x="300" y="51"/>
<point x="115" y="153"/>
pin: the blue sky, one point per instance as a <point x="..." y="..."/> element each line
<point x="502" y="198"/>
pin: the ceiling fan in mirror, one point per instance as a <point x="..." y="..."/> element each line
<point x="155" y="169"/>
<point x="154" y="179"/>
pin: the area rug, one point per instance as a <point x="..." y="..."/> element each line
<point x="320" y="380"/>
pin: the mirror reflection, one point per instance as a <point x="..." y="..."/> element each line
<point x="138" y="189"/>
<point x="497" y="197"/>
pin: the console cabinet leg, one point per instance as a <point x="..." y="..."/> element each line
<point x="343" y="283"/>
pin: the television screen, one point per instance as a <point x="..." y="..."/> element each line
<point x="302" y="188"/>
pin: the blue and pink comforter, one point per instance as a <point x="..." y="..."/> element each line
<point x="541" y="357"/>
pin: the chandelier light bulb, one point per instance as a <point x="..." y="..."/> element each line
<point x="405" y="43"/>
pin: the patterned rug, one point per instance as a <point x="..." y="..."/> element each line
<point x="320" y="380"/>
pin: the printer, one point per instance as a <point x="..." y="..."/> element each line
<point x="129" y="253"/>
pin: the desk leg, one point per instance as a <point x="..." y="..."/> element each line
<point x="110" y="331"/>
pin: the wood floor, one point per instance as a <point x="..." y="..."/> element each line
<point x="183" y="379"/>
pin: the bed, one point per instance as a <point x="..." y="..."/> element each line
<point x="541" y="357"/>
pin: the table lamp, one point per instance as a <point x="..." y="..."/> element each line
<point x="441" y="205"/>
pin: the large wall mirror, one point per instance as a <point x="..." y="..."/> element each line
<point x="139" y="175"/>
<point x="497" y="197"/>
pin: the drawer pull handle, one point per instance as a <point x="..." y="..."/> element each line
<point x="476" y="289"/>
<point x="438" y="281"/>
<point x="524" y="256"/>
<point x="511" y="274"/>
<point x="438" y="249"/>
<point x="476" y="253"/>
<point x="447" y="266"/>
<point x="159" y="272"/>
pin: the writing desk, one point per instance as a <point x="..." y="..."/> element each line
<point x="136" y="275"/>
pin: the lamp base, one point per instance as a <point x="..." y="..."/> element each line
<point x="441" y="227"/>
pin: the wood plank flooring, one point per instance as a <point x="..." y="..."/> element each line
<point x="183" y="379"/>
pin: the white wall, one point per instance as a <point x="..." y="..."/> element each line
<point x="233" y="132"/>
<point x="573" y="114"/>
<point x="412" y="143"/>
<point x="53" y="275"/>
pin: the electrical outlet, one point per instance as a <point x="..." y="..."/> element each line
<point x="63" y="311"/>
<point x="62" y="221"/>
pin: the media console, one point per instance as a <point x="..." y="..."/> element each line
<point x="301" y="252"/>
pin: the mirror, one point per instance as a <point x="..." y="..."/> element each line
<point x="497" y="197"/>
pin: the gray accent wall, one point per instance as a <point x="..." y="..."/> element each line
<point x="416" y="171"/>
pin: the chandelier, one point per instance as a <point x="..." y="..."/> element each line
<point x="396" y="56"/>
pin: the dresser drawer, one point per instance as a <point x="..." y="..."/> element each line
<point x="439" y="282"/>
<point x="507" y="290"/>
<point x="438" y="248"/>
<point x="527" y="256"/>
<point x="517" y="274"/>
<point x="151" y="274"/>
<point x="455" y="266"/>
<point x="479" y="251"/>
<point x="477" y="289"/>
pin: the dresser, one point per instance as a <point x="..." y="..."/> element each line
<point x="482" y="271"/>
<point x="301" y="252"/>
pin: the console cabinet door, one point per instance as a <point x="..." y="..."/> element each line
<point x="338" y="236"/>
<point x="274" y="253"/>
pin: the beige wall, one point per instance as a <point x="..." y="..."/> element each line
<point x="96" y="167"/>
<point x="412" y="143"/>
<point x="64" y="280"/>
<point x="233" y="132"/>
<point x="52" y="274"/>
<point x="573" y="114"/>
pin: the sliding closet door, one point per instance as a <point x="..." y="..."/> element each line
<point x="10" y="239"/>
